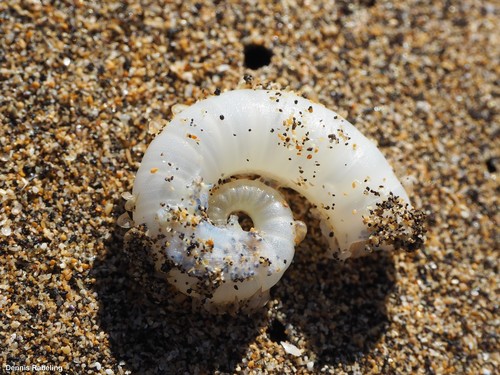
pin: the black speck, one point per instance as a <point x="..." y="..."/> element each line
<point x="490" y="164"/>
<point x="277" y="331"/>
<point x="248" y="78"/>
<point x="127" y="64"/>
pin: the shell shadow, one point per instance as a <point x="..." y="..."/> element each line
<point x="169" y="337"/>
<point x="339" y="308"/>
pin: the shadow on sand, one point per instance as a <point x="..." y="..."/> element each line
<point x="339" y="308"/>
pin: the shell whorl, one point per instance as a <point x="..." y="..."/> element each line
<point x="181" y="197"/>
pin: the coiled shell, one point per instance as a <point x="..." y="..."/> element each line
<point x="181" y="195"/>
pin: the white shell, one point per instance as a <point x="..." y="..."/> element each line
<point x="281" y="137"/>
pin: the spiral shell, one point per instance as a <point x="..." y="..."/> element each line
<point x="186" y="192"/>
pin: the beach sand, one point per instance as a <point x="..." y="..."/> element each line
<point x="81" y="84"/>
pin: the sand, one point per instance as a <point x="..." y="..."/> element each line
<point x="83" y="83"/>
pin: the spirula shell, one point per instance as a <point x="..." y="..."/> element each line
<point x="186" y="195"/>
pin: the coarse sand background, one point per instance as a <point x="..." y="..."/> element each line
<point x="81" y="84"/>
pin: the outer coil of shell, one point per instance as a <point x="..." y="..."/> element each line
<point x="181" y="195"/>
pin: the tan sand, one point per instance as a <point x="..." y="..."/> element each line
<point x="80" y="84"/>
